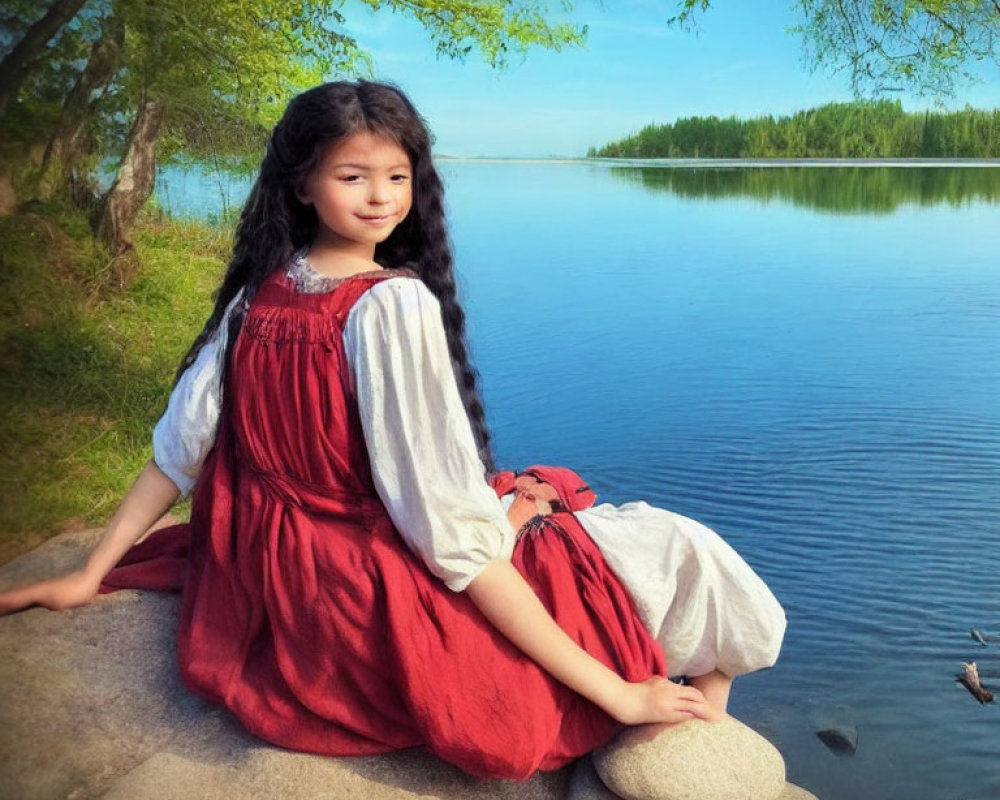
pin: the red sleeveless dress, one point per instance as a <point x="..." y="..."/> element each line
<point x="307" y="615"/>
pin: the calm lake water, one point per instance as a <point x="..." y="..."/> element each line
<point x="804" y="359"/>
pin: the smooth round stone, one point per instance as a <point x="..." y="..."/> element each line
<point x="695" y="760"/>
<point x="92" y="706"/>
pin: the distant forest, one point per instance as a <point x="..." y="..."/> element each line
<point x="866" y="129"/>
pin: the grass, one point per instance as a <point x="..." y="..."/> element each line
<point x="85" y="370"/>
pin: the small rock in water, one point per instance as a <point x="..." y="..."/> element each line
<point x="842" y="741"/>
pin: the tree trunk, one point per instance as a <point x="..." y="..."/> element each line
<point x="118" y="208"/>
<point x="65" y="144"/>
<point x="19" y="61"/>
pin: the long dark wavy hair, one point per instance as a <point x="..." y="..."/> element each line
<point x="274" y="224"/>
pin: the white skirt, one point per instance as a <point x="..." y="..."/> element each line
<point x="703" y="603"/>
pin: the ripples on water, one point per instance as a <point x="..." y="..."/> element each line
<point x="807" y="362"/>
<point x="819" y="386"/>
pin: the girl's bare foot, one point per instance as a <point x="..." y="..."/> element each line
<point x="715" y="687"/>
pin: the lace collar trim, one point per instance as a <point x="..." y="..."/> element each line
<point x="309" y="281"/>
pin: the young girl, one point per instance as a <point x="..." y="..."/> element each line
<point x="347" y="574"/>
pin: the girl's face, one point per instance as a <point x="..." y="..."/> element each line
<point x="534" y="489"/>
<point x="361" y="190"/>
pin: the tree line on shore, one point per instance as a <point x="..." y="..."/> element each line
<point x="125" y="85"/>
<point x="863" y="129"/>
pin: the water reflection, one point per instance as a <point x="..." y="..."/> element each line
<point x="837" y="190"/>
<point x="814" y="377"/>
<point x="818" y="386"/>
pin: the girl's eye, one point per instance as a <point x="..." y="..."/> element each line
<point x="350" y="178"/>
<point x="400" y="178"/>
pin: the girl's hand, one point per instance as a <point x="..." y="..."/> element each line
<point x="148" y="500"/>
<point x="75" y="589"/>
<point x="661" y="700"/>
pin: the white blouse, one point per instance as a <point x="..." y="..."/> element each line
<point x="694" y="593"/>
<point x="424" y="460"/>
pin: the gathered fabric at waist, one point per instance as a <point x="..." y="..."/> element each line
<point x="314" y="498"/>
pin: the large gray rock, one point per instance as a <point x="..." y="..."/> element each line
<point x="92" y="706"/>
<point x="695" y="760"/>
<point x="586" y="784"/>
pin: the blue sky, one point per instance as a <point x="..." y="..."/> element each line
<point x="633" y="70"/>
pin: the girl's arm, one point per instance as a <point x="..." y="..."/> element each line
<point x="430" y="478"/>
<point x="506" y="599"/>
<point x="150" y="497"/>
<point x="424" y="461"/>
<point x="181" y="439"/>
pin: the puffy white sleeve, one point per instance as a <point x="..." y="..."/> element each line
<point x="186" y="431"/>
<point x="424" y="460"/>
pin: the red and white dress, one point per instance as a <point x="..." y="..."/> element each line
<point x="339" y="511"/>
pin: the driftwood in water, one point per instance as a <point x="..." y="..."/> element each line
<point x="970" y="679"/>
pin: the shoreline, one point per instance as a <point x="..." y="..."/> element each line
<point x="695" y="163"/>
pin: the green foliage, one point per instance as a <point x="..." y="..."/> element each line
<point x="86" y="374"/>
<point x="494" y="28"/>
<point x="225" y="69"/>
<point x="871" y="129"/>
<point x="891" y="45"/>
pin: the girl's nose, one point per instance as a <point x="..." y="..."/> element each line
<point x="379" y="192"/>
